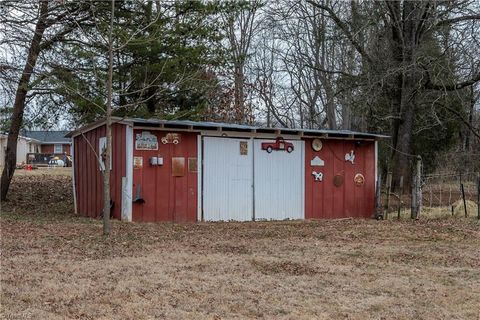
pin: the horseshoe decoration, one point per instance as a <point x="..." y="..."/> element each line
<point x="359" y="179"/>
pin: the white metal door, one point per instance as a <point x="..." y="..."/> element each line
<point x="227" y="179"/>
<point x="279" y="182"/>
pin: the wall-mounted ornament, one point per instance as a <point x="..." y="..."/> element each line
<point x="338" y="180"/>
<point x="146" y="141"/>
<point x="350" y="157"/>
<point x="317" y="162"/>
<point x="317" y="144"/>
<point x="178" y="166"/>
<point x="359" y="179"/>
<point x="280" y="145"/>
<point x="171" y="138"/>
<point x="243" y="148"/>
<point x="102" y="151"/>
<point x="192" y="165"/>
<point x="318" y="176"/>
<point x="137" y="162"/>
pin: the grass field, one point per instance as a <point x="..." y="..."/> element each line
<point x="58" y="266"/>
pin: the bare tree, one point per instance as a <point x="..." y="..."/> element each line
<point x="50" y="15"/>
<point x="409" y="26"/>
<point x="241" y="23"/>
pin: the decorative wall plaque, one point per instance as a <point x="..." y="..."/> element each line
<point x="137" y="162"/>
<point x="102" y="153"/>
<point x="171" y="138"/>
<point x="243" y="148"/>
<point x="146" y="141"/>
<point x="350" y="157"/>
<point x="192" y="165"/>
<point x="178" y="166"/>
<point x="317" y="144"/>
<point x="338" y="180"/>
<point x="318" y="176"/>
<point x="359" y="179"/>
<point x="317" y="162"/>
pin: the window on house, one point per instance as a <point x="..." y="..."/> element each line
<point x="58" y="148"/>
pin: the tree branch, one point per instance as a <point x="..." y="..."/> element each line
<point x="451" y="87"/>
<point x="344" y="27"/>
<point x="458" y="19"/>
<point x="469" y="126"/>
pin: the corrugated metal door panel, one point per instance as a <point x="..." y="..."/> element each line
<point x="279" y="182"/>
<point x="228" y="180"/>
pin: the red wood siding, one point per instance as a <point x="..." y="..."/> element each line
<point x="88" y="177"/>
<point x="323" y="199"/>
<point x="167" y="197"/>
<point x="49" y="148"/>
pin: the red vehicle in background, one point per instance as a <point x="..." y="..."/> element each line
<point x="279" y="144"/>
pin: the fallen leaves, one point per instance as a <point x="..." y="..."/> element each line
<point x="58" y="265"/>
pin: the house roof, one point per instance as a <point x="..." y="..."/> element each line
<point x="219" y="126"/>
<point x="48" y="137"/>
<point x="28" y="139"/>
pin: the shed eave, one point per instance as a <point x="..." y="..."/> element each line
<point x="97" y="124"/>
<point x="205" y="126"/>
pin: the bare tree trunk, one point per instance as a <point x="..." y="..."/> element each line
<point x="406" y="39"/>
<point x="19" y="104"/>
<point x="471" y="110"/>
<point x="106" y="173"/>
<point x="239" y="91"/>
<point x="241" y="25"/>
<point x="331" y="108"/>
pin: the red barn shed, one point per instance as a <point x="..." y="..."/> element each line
<point x="185" y="171"/>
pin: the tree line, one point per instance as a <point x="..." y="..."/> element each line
<point x="409" y="69"/>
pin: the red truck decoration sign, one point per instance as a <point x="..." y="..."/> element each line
<point x="280" y="145"/>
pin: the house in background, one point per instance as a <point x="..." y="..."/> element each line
<point x="51" y="142"/>
<point x="25" y="145"/>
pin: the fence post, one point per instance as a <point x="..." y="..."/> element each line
<point x="400" y="200"/>
<point x="378" y="195"/>
<point x="417" y="190"/>
<point x="463" y="196"/>
<point x="478" y="196"/>
<point x="389" y="187"/>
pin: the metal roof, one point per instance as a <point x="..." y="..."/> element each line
<point x="219" y="126"/>
<point x="47" y="137"/>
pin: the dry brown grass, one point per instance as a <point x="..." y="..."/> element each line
<point x="57" y="266"/>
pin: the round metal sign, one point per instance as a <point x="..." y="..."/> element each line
<point x="338" y="180"/>
<point x="317" y="144"/>
<point x="359" y="179"/>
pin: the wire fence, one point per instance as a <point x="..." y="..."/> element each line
<point x="444" y="192"/>
<point x="439" y="190"/>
